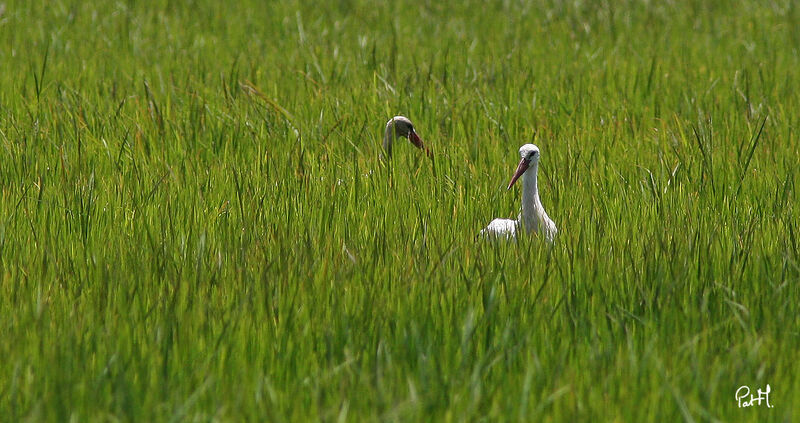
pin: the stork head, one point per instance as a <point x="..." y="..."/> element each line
<point x="529" y="156"/>
<point x="404" y="128"/>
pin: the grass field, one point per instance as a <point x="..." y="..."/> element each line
<point x="195" y="224"/>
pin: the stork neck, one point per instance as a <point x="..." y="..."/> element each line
<point x="388" y="137"/>
<point x="531" y="204"/>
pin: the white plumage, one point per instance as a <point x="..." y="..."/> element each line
<point x="533" y="218"/>
<point x="502" y="228"/>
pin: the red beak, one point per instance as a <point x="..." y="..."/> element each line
<point x="414" y="138"/>
<point x="521" y="168"/>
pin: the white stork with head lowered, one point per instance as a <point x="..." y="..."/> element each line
<point x="401" y="126"/>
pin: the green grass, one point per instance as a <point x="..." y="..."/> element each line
<point x="195" y="224"/>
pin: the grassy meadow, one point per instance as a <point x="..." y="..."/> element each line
<point x="195" y="224"/>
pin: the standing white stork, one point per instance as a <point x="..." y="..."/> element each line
<point x="533" y="217"/>
<point x="401" y="126"/>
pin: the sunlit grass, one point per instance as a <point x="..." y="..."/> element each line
<point x="195" y="223"/>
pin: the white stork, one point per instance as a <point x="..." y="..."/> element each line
<point x="533" y="217"/>
<point x="401" y="126"/>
